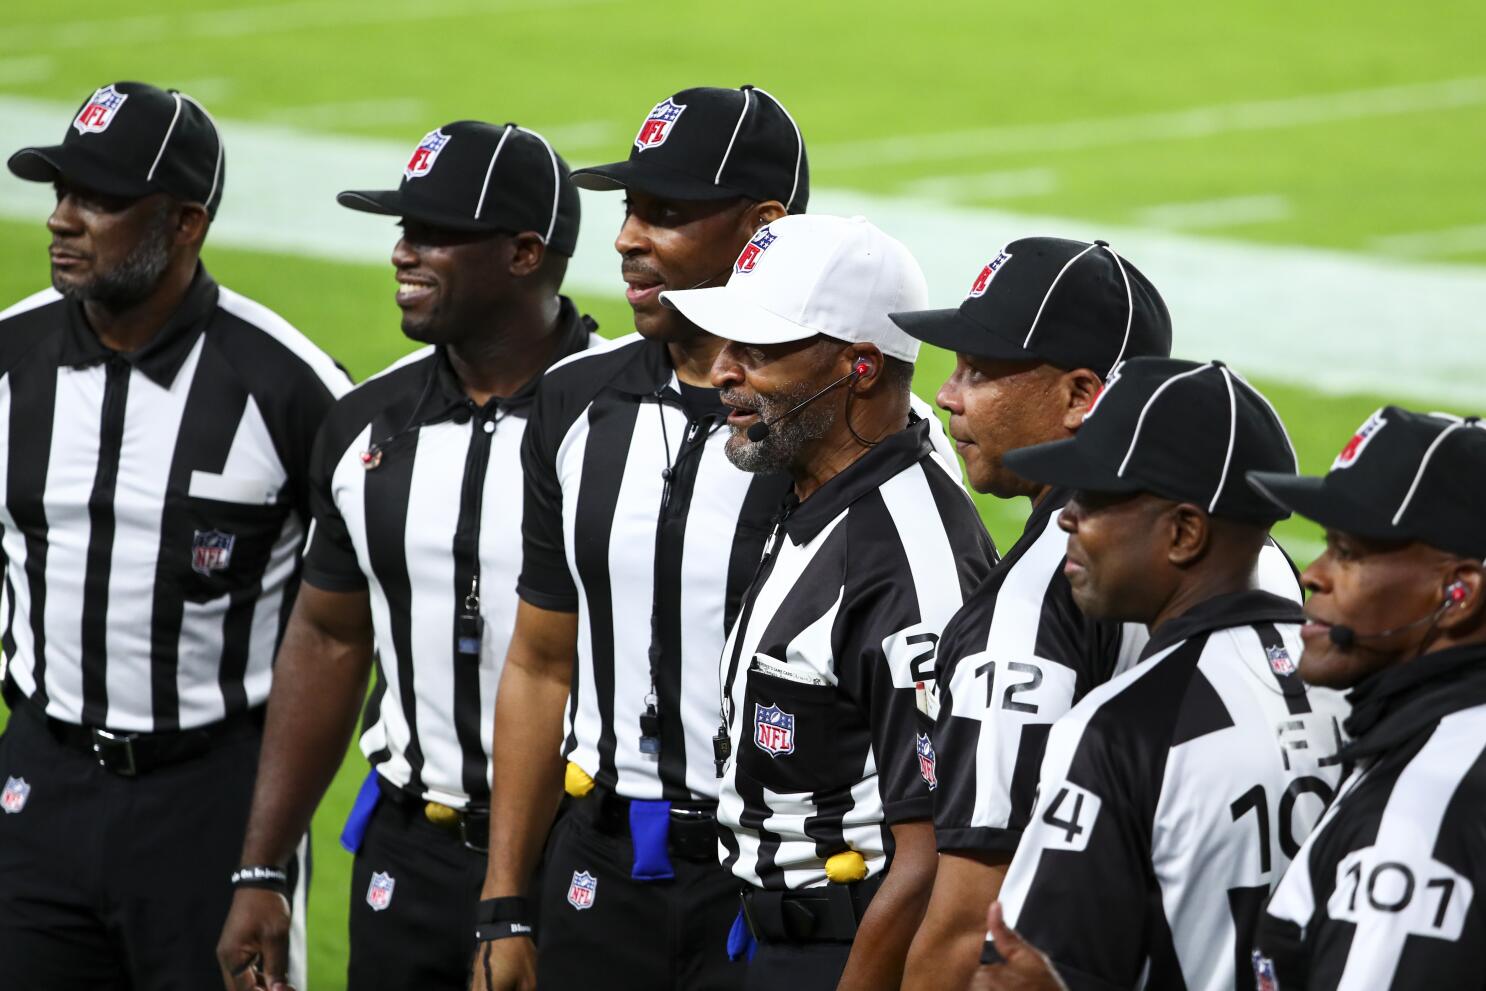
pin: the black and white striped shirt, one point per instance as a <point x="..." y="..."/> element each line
<point x="1016" y="657"/>
<point x="154" y="506"/>
<point x="635" y="519"/>
<point x="1171" y="799"/>
<point x="1383" y="893"/>
<point x="826" y="672"/>
<point x="417" y="497"/>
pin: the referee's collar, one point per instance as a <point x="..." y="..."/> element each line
<point x="1224" y="612"/>
<point x="573" y="331"/>
<point x="804" y="521"/>
<point x="163" y="356"/>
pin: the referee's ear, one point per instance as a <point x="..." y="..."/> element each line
<point x="191" y="224"/>
<point x="528" y="253"/>
<point x="1080" y="388"/>
<point x="1465" y="594"/>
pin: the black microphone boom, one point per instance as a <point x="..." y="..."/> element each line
<point x="760" y="430"/>
<point x="1346" y="637"/>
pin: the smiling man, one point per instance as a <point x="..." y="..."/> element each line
<point x="828" y="769"/>
<point x="416" y="487"/>
<point x="1384" y="893"/>
<point x="155" y="436"/>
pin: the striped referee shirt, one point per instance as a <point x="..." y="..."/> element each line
<point x="417" y="496"/>
<point x="1016" y="657"/>
<point x="1172" y="797"/>
<point x="635" y="519"/>
<point x="155" y="503"/>
<point x="1382" y="893"/>
<point x="825" y="674"/>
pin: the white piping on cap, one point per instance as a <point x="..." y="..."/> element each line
<point x="1140" y="420"/>
<point x="799" y="146"/>
<point x="1129" y="309"/>
<point x="556" y="181"/>
<point x="1048" y="295"/>
<point x="747" y="100"/>
<point x="1424" y="463"/>
<point x="485" y="186"/>
<point x="166" y="140"/>
<point x="217" y="169"/>
<point x="1232" y="436"/>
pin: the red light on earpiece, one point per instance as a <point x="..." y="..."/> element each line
<point x="1456" y="592"/>
<point x="863" y="368"/>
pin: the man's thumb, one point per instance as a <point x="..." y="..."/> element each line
<point x="1006" y="941"/>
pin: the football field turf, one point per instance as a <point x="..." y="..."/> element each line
<point x="1305" y="182"/>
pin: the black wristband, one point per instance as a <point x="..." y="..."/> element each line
<point x="488" y="932"/>
<point x="511" y="909"/>
<point x="262" y="876"/>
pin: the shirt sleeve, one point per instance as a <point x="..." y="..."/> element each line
<point x="1078" y="886"/>
<point x="330" y="561"/>
<point x="998" y="703"/>
<point x="546" y="581"/>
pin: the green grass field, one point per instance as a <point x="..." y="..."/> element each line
<point x="1266" y="123"/>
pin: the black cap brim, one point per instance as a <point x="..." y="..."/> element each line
<point x="653" y="179"/>
<point x="1062" y="463"/>
<point x="1309" y="497"/>
<point x="48" y="163"/>
<point x="392" y="203"/>
<point x="953" y="331"/>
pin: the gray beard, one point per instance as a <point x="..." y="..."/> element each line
<point x="781" y="448"/>
<point x="132" y="281"/>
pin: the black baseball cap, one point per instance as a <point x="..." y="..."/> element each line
<point x="473" y="176"/>
<point x="132" y="139"/>
<point x="1073" y="304"/>
<point x="707" y="144"/>
<point x="1403" y="476"/>
<point x="1183" y="430"/>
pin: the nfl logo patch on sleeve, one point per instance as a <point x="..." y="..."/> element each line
<point x="583" y="890"/>
<point x="13" y="798"/>
<point x="927" y="764"/>
<point x="379" y="892"/>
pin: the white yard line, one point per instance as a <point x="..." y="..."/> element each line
<point x="1323" y="319"/>
<point x="1001" y="185"/>
<point x="1194" y="122"/>
<point x="1440" y="243"/>
<point x="1230" y="211"/>
<point x="242" y="21"/>
<point x="347" y="113"/>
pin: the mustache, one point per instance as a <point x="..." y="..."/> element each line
<point x="638" y="270"/>
<point x="738" y="400"/>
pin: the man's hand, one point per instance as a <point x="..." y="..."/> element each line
<point x="505" y="965"/>
<point x="1024" y="967"/>
<point x="254" y="948"/>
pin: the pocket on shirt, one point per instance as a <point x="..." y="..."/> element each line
<point x="787" y="740"/>
<point x="215" y="547"/>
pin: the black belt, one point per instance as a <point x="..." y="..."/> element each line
<point x="131" y="754"/>
<point x="693" y="827"/>
<point x="808" y="915"/>
<point x="472" y="826"/>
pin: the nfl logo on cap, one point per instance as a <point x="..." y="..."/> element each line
<point x="753" y="250"/>
<point x="99" y="111"/>
<point x="13" y="798"/>
<point x="583" y="890"/>
<point x="658" y="124"/>
<point x="773" y="730"/>
<point x="1349" y="454"/>
<point x="927" y="762"/>
<point x="425" y="154"/>
<point x="983" y="280"/>
<point x="379" y="892"/>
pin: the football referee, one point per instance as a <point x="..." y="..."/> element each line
<point x="155" y="435"/>
<point x="416" y="487"/>
<point x="1384" y="892"/>
<point x="829" y="767"/>
<point x="1171" y="797"/>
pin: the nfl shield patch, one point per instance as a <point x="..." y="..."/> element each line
<point x="753" y="250"/>
<point x="926" y="761"/>
<point x="1279" y="660"/>
<point x="658" y="124"/>
<point x="773" y="730"/>
<point x="583" y="890"/>
<point x="99" y="111"/>
<point x="211" y="550"/>
<point x="379" y="892"/>
<point x="1264" y="979"/>
<point x="1353" y="450"/>
<point x="425" y="154"/>
<point x="13" y="798"/>
<point x="983" y="280"/>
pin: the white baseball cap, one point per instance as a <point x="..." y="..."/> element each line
<point x="809" y="274"/>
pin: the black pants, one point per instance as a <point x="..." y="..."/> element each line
<point x="428" y="884"/>
<point x="641" y="935"/>
<point x="798" y="966"/>
<point x="108" y="882"/>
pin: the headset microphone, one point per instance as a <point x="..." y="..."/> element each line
<point x="761" y="429"/>
<point x="1346" y="637"/>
